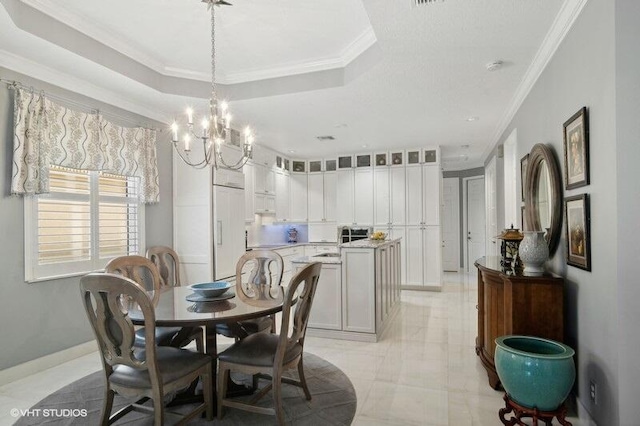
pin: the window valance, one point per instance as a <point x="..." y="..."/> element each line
<point x="46" y="133"/>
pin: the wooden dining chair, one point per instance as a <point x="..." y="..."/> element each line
<point x="269" y="355"/>
<point x="258" y="280"/>
<point x="168" y="264"/>
<point x="144" y="272"/>
<point x="134" y="373"/>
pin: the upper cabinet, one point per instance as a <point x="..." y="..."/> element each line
<point x="298" y="197"/>
<point x="321" y="197"/>
<point x="282" y="196"/>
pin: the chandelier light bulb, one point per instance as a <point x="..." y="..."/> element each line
<point x="227" y="121"/>
<point x="189" y="115"/>
<point x="174" y="130"/>
<point x="187" y="142"/>
<point x="205" y="124"/>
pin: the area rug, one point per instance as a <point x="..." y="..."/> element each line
<point x="333" y="402"/>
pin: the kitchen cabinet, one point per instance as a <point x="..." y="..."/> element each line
<point x="249" y="193"/>
<point x="264" y="180"/>
<point x="431" y="194"/>
<point x="389" y="196"/>
<point x="414" y="195"/>
<point x="322" y="232"/>
<point x="354" y="195"/>
<point x="298" y="197"/>
<point x="363" y="197"/>
<point x="423" y="254"/>
<point x="326" y="312"/>
<point x="282" y="196"/>
<point x="344" y="197"/>
<point x="322" y="197"/>
<point x="313" y="249"/>
<point x="265" y="203"/>
<point x="400" y="232"/>
<point x="382" y="197"/>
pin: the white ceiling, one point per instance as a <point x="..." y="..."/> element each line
<point x="375" y="74"/>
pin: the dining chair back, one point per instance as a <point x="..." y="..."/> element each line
<point x="168" y="264"/>
<point x="264" y="279"/>
<point x="258" y="282"/>
<point x="146" y="374"/>
<point x="144" y="272"/>
<point x="269" y="355"/>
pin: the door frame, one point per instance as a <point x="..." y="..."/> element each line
<point x="465" y="219"/>
<point x="458" y="230"/>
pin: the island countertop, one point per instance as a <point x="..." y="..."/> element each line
<point x="333" y="260"/>
<point x="368" y="243"/>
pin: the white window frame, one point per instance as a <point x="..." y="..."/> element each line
<point x="37" y="273"/>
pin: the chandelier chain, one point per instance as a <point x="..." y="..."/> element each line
<point x="214" y="96"/>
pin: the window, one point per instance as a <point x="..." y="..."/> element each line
<point x="87" y="219"/>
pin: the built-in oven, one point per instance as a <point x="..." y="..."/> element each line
<point x="347" y="234"/>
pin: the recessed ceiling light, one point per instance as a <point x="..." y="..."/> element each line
<point x="472" y="118"/>
<point x="364" y="146"/>
<point x="325" y="138"/>
<point x="291" y="151"/>
<point x="494" y="66"/>
<point x="465" y="146"/>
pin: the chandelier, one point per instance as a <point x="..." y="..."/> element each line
<point x="215" y="128"/>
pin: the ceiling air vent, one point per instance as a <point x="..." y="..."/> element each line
<point x="422" y="2"/>
<point x="325" y="138"/>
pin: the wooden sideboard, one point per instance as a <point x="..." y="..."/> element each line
<point x="515" y="304"/>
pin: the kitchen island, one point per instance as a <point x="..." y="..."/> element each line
<point x="358" y="291"/>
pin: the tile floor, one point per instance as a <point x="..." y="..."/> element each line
<point x="423" y="372"/>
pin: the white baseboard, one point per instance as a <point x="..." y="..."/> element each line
<point x="37" y="365"/>
<point x="422" y="287"/>
<point x="583" y="414"/>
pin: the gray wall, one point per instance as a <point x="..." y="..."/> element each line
<point x="583" y="72"/>
<point x="43" y="318"/>
<point x="460" y="175"/>
<point x="628" y="206"/>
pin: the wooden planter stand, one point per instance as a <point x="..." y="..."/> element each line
<point x="520" y="412"/>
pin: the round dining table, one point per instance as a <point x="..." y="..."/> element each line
<point x="172" y="309"/>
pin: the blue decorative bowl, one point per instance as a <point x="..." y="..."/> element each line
<point x="535" y="372"/>
<point x="214" y="289"/>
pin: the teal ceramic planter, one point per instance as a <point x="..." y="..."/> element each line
<point x="535" y="372"/>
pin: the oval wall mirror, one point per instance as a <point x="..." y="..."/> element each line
<point x="543" y="195"/>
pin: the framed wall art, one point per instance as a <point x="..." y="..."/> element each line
<point x="576" y="150"/>
<point x="578" y="231"/>
<point x="524" y="161"/>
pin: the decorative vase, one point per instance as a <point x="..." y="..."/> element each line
<point x="534" y="251"/>
<point x="535" y="372"/>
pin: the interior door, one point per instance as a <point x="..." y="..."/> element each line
<point x="451" y="224"/>
<point x="475" y="221"/>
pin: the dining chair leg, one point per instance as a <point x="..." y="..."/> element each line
<point x="207" y="390"/>
<point x="158" y="411"/>
<point x="277" y="396"/>
<point x="303" y="380"/>
<point x="223" y="373"/>
<point x="107" y="406"/>
<point x="200" y="344"/>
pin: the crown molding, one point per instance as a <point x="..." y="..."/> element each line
<point x="565" y="19"/>
<point x="56" y="11"/>
<point x="66" y="81"/>
<point x="356" y="48"/>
